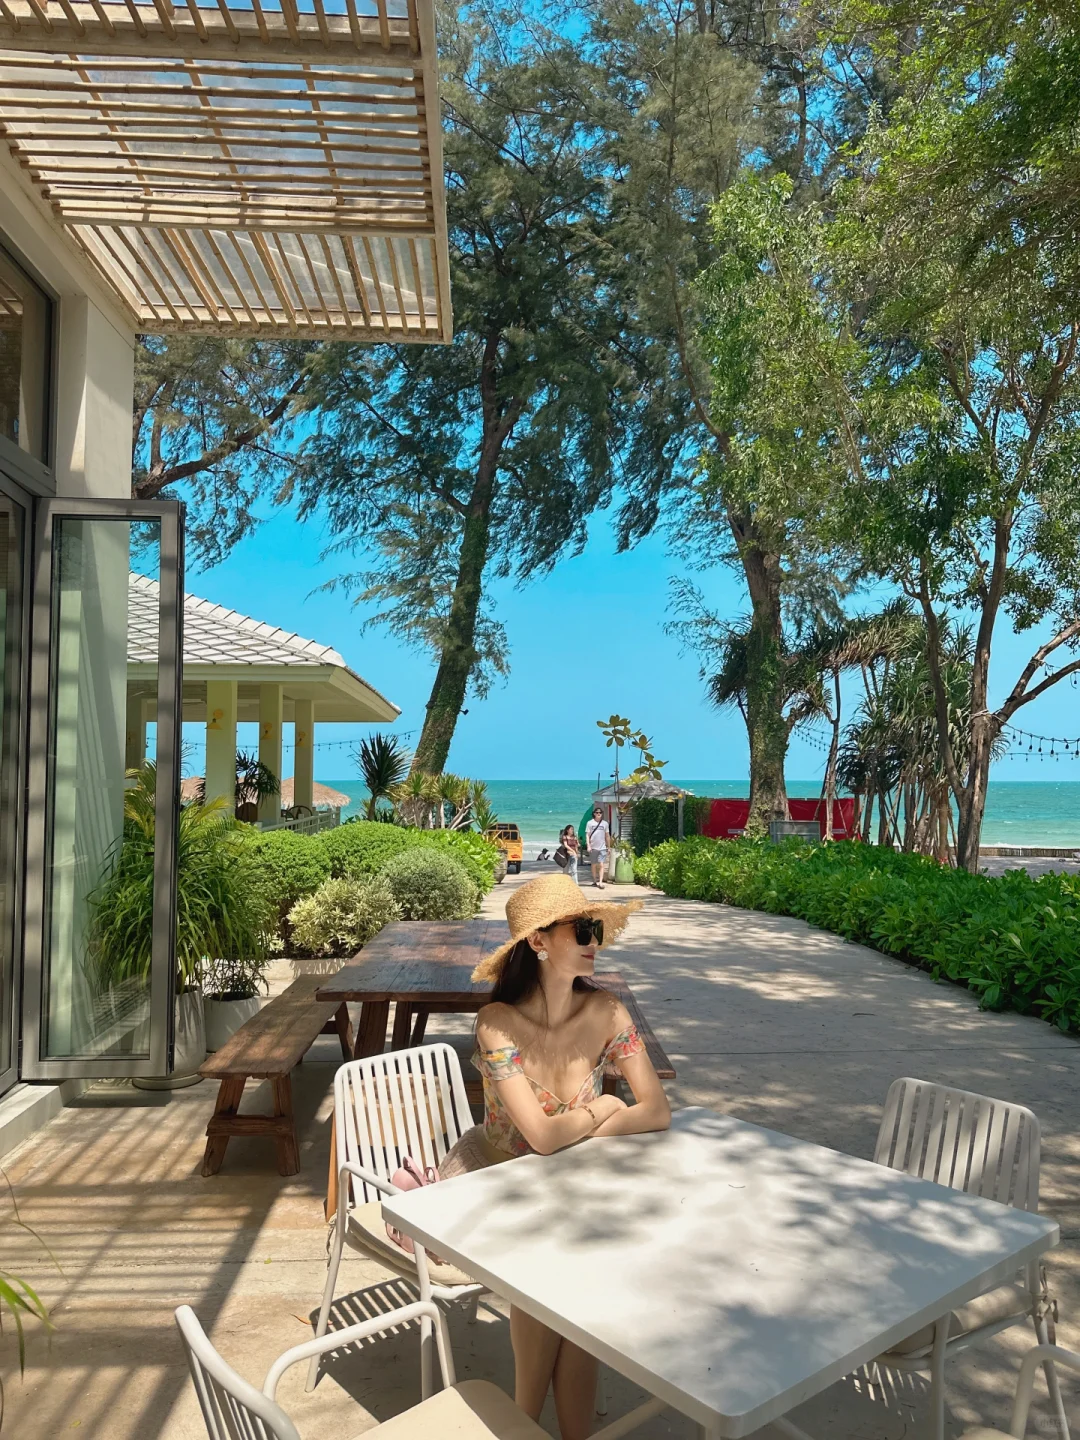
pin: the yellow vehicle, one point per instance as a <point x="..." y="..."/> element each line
<point x="508" y="838"/>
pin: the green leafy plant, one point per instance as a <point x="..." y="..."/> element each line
<point x="221" y="908"/>
<point x="241" y="978"/>
<point x="343" y="914"/>
<point x="383" y="762"/>
<point x="429" y="885"/>
<point x="18" y="1298"/>
<point x="1013" y="940"/>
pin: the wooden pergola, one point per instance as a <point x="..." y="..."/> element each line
<point x="269" y="168"/>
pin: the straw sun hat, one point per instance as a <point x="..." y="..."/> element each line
<point x="545" y="902"/>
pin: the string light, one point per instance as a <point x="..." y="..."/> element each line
<point x="1026" y="744"/>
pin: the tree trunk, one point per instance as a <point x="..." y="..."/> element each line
<point x="458" y="654"/>
<point x="828" y="789"/>
<point x="972" y="804"/>
<point x="458" y="650"/>
<point x="765" y="688"/>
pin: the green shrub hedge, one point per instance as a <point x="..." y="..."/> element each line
<point x="1014" y="940"/>
<point x="363" y="847"/>
<point x="658" y="820"/>
<point x="289" y="866"/>
<point x="342" y="915"/>
<point x="430" y="884"/>
<point x="292" y="866"/>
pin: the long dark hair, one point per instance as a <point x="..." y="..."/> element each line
<point x="521" y="975"/>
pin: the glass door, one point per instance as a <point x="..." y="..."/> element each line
<point x="104" y="750"/>
<point x="12" y="539"/>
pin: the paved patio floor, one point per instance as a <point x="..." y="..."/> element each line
<point x="764" y="1017"/>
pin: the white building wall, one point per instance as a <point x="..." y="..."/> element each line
<point x="96" y="348"/>
<point x="91" y="458"/>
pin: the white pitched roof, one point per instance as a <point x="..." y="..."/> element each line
<point x="214" y="635"/>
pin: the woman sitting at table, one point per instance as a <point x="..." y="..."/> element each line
<point x="549" y="1033"/>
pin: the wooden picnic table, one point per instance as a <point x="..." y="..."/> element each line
<point x="421" y="966"/>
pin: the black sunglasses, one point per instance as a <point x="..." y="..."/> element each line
<point x="586" y="930"/>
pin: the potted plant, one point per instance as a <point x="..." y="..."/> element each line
<point x="231" y="991"/>
<point x="624" y="863"/>
<point x="221" y="912"/>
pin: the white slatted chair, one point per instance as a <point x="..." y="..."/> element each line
<point x="234" y="1410"/>
<point x="1039" y="1355"/>
<point x="984" y="1147"/>
<point x="406" y="1102"/>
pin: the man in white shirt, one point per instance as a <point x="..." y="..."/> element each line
<point x="598" y="843"/>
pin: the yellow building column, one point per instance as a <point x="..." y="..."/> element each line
<point x="304" y="753"/>
<point x="221" y="741"/>
<point x="270" y="712"/>
<point x="135" y="737"/>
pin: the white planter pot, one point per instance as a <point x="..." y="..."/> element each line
<point x="190" y="1046"/>
<point x="224" y="1018"/>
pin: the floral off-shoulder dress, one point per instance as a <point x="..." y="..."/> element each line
<point x="498" y="1138"/>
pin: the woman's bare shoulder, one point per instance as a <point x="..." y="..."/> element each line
<point x="607" y="1011"/>
<point x="497" y="1024"/>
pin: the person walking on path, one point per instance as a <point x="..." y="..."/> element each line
<point x="568" y="842"/>
<point x="598" y="843"/>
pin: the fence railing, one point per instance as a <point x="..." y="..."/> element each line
<point x="306" y="824"/>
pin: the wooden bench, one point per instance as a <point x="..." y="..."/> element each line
<point x="268" y="1047"/>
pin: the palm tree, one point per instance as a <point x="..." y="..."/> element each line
<point x="415" y="798"/>
<point x="383" y="762"/>
<point x="254" y="781"/>
<point x="483" y="814"/>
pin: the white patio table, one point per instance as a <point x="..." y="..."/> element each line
<point x="730" y="1271"/>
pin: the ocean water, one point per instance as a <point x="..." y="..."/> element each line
<point x="1018" y="812"/>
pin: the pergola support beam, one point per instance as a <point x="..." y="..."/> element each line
<point x="221" y="741"/>
<point x="271" y="709"/>
<point x="304" y="752"/>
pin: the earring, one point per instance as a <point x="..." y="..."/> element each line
<point x="541" y="954"/>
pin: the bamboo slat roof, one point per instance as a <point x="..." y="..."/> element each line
<point x="254" y="167"/>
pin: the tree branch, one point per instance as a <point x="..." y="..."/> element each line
<point x="1020" y="695"/>
<point x="160" y="475"/>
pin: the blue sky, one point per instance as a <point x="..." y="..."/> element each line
<point x="585" y="641"/>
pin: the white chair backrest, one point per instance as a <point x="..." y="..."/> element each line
<point x="232" y="1409"/>
<point x="961" y="1139"/>
<point x="407" y="1102"/>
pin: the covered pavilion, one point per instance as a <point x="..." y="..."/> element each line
<point x="239" y="669"/>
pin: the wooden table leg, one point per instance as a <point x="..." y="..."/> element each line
<point x="343" y="1025"/>
<point x="420" y="1027"/>
<point x="230" y="1093"/>
<point x="330" y="1208"/>
<point x="288" y="1151"/>
<point x="371" y="1032"/>
<point x="399" y="1039"/>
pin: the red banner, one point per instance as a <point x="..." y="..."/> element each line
<point x="729" y="817"/>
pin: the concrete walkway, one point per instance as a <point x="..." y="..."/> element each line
<point x="764" y="1017"/>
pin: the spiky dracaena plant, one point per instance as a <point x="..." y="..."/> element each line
<point x="415" y="799"/>
<point x="383" y="762"/>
